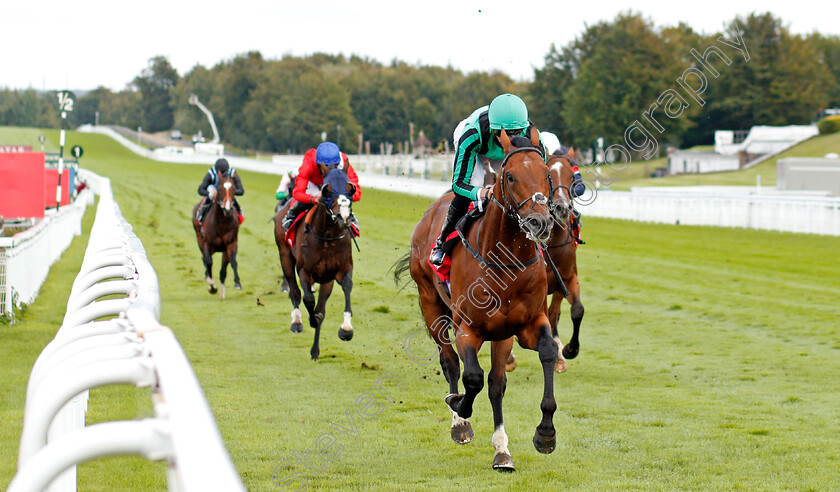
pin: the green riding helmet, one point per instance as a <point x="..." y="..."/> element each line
<point x="508" y="112"/>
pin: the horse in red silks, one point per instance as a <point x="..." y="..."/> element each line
<point x="498" y="291"/>
<point x="321" y="252"/>
<point x="219" y="234"/>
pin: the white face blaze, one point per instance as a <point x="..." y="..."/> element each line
<point x="344" y="207"/>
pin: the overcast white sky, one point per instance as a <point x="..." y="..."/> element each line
<point x="82" y="44"/>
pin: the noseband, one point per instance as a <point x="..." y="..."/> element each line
<point x="511" y="206"/>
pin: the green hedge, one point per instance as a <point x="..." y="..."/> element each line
<point x="827" y="126"/>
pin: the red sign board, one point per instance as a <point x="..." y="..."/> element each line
<point x="23" y="188"/>
<point x="51" y="185"/>
<point x="7" y="149"/>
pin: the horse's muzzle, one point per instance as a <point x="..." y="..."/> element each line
<point x="537" y="227"/>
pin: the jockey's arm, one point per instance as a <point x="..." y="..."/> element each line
<point x="354" y="178"/>
<point x="465" y="157"/>
<point x="202" y="188"/>
<point x="301" y="184"/>
<point x="237" y="182"/>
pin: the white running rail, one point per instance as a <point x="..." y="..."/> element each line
<point x="117" y="341"/>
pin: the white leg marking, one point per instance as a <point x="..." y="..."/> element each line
<point x="222" y="290"/>
<point x="346" y="326"/>
<point x="560" y="365"/>
<point x="456" y="419"/>
<point x="296" y="315"/>
<point x="500" y="440"/>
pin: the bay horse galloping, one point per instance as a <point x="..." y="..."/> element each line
<point x="498" y="288"/>
<point x="563" y="250"/>
<point x="322" y="253"/>
<point x="219" y="234"/>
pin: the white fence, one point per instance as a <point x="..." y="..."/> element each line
<point x="117" y="341"/>
<point x="773" y="212"/>
<point x="718" y="206"/>
<point x="25" y="258"/>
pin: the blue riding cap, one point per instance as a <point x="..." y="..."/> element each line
<point x="328" y="154"/>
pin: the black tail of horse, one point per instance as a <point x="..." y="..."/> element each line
<point x="400" y="268"/>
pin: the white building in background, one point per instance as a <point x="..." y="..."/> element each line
<point x="687" y="161"/>
<point x="763" y="139"/>
<point x="737" y="149"/>
<point x="809" y="173"/>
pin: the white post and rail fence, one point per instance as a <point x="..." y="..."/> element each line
<point x="117" y="340"/>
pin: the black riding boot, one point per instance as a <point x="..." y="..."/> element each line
<point x="202" y="210"/>
<point x="293" y="212"/>
<point x="452" y="217"/>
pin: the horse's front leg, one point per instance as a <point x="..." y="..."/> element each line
<point x="345" y="331"/>
<point x="207" y="259"/>
<point x="320" y="310"/>
<point x="571" y="350"/>
<point x="497" y="382"/>
<point x="544" y="437"/>
<point x="553" y="318"/>
<point x="308" y="297"/>
<point x="231" y="250"/>
<point x="468" y="345"/>
<point x="223" y="273"/>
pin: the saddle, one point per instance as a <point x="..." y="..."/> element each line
<point x="291" y="232"/>
<point x="461" y="228"/>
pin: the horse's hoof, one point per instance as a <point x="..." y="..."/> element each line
<point x="345" y="335"/>
<point x="503" y="462"/>
<point x="462" y="432"/>
<point x="314" y="354"/>
<point x="296" y="328"/>
<point x="544" y="444"/>
<point x="570" y="352"/>
<point x="237" y="286"/>
<point x="212" y="289"/>
<point x="285" y="286"/>
<point x="560" y="365"/>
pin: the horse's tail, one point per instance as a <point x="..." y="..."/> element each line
<point x="400" y="268"/>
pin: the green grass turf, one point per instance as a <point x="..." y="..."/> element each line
<point x="709" y="357"/>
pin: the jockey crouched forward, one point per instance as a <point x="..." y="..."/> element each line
<point x="316" y="164"/>
<point x="208" y="187"/>
<point x="475" y="138"/>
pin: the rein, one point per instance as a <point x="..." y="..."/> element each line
<point x="332" y="215"/>
<point x="509" y="210"/>
<point x="475" y="254"/>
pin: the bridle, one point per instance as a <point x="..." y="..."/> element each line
<point x="334" y="217"/>
<point x="511" y="207"/>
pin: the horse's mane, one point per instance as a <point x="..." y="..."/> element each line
<point x="520" y="141"/>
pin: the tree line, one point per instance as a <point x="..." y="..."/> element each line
<point x="613" y="74"/>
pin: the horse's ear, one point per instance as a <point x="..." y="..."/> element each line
<point x="570" y="151"/>
<point x="505" y="141"/>
<point x="535" y="137"/>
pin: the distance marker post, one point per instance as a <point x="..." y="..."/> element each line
<point x="66" y="101"/>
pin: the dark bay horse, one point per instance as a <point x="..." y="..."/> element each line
<point x="499" y="290"/>
<point x="322" y="254"/>
<point x="219" y="234"/>
<point x="563" y="251"/>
